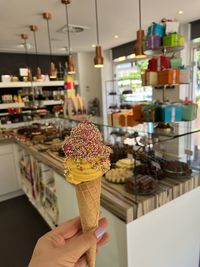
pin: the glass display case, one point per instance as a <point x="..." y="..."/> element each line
<point x="180" y="143"/>
<point x="144" y="143"/>
<point x="149" y="168"/>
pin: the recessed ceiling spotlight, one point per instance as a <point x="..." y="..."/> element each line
<point x="116" y="36"/>
<point x="20" y="46"/>
<point x="63" y="49"/>
<point x="93" y="45"/>
<point x="29" y="46"/>
<point x="180" y="12"/>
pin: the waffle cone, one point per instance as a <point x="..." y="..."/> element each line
<point x="88" y="196"/>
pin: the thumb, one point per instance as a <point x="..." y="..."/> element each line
<point x="78" y="245"/>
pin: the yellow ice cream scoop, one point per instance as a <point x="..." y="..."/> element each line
<point x="86" y="155"/>
<point x="77" y="172"/>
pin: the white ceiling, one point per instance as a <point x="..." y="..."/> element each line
<point x="116" y="17"/>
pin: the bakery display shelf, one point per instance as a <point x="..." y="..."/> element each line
<point x="51" y="102"/>
<point x="114" y="195"/>
<point x="167" y="85"/>
<point x="4" y="114"/>
<point x="163" y="50"/>
<point x="130" y="80"/>
<point x="42" y="211"/>
<point x="30" y="111"/>
<point x="15" y="84"/>
<point x="48" y="83"/>
<point x="11" y="105"/>
<point x="50" y="187"/>
<point x="29" y="84"/>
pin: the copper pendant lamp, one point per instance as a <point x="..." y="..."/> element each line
<point x="34" y="29"/>
<point x="98" y="60"/>
<point x="47" y="16"/>
<point x="70" y="63"/>
<point x="24" y="37"/>
<point x="139" y="47"/>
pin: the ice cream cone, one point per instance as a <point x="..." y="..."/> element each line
<point x="87" y="160"/>
<point x="88" y="196"/>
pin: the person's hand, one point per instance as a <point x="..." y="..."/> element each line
<point x="66" y="245"/>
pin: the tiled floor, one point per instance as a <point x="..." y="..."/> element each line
<point x="20" y="227"/>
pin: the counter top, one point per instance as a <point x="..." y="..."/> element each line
<point x="114" y="198"/>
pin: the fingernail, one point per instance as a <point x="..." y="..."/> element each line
<point x="99" y="233"/>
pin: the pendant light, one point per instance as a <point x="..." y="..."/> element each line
<point x="47" y="16"/>
<point x="24" y="37"/>
<point x="139" y="47"/>
<point x="34" y="29"/>
<point x="98" y="60"/>
<point x="70" y="63"/>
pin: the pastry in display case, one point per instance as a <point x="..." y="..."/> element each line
<point x="118" y="175"/>
<point x="126" y="163"/>
<point x="117" y="153"/>
<point x="142" y="185"/>
<point x="176" y="169"/>
<point x="149" y="169"/>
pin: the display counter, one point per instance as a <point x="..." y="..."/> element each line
<point x="155" y="230"/>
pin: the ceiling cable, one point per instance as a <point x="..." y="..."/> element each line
<point x="36" y="48"/>
<point x="49" y="39"/>
<point x="140" y="15"/>
<point x="68" y="32"/>
<point x="97" y="21"/>
<point x="24" y="38"/>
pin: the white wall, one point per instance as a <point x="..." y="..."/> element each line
<point x="89" y="78"/>
<point x="106" y="74"/>
<point x="167" y="237"/>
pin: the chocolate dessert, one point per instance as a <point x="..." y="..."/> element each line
<point x="117" y="153"/>
<point x="149" y="169"/>
<point x="176" y="169"/>
<point x="143" y="185"/>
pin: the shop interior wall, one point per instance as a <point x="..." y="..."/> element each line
<point x="89" y="78"/>
<point x="11" y="62"/>
<point x="106" y="75"/>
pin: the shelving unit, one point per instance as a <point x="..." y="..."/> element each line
<point x="51" y="102"/>
<point x="11" y="105"/>
<point x="163" y="50"/>
<point x="41" y="195"/>
<point x="31" y="94"/>
<point x="29" y="84"/>
<point x="170" y="51"/>
<point x="48" y="84"/>
<point x="165" y="87"/>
